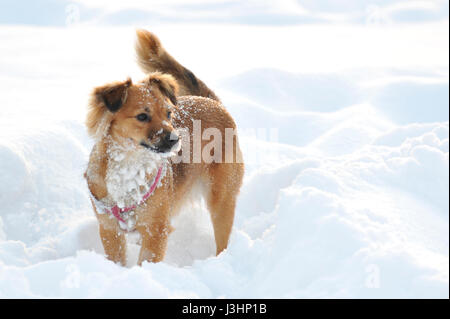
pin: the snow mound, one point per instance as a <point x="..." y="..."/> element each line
<point x="342" y="196"/>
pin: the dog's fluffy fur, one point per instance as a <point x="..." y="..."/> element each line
<point x="126" y="144"/>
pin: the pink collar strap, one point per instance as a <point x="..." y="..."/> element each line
<point x="116" y="210"/>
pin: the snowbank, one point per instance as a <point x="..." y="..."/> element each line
<point x="339" y="200"/>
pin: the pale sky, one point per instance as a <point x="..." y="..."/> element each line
<point x="251" y="12"/>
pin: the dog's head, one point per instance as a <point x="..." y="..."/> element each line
<point x="139" y="112"/>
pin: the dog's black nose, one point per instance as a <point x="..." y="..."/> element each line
<point x="171" y="139"/>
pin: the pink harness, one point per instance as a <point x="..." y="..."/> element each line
<point x="116" y="210"/>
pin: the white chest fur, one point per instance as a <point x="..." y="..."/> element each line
<point x="128" y="170"/>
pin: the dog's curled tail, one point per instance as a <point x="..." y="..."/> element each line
<point x="152" y="57"/>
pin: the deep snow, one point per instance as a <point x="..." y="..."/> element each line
<point x="347" y="166"/>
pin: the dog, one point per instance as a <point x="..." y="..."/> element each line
<point x="142" y="169"/>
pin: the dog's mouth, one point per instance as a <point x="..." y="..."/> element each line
<point x="154" y="149"/>
<point x="163" y="143"/>
<point x="162" y="149"/>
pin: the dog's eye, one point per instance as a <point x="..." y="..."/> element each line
<point x="169" y="114"/>
<point x="143" y="117"/>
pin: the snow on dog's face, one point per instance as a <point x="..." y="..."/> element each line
<point x="139" y="112"/>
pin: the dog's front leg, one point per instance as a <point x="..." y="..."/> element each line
<point x="113" y="239"/>
<point x="154" y="234"/>
<point x="114" y="243"/>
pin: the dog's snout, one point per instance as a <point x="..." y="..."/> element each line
<point x="171" y="138"/>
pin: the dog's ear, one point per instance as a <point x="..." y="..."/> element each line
<point x="103" y="102"/>
<point x="166" y="84"/>
<point x="113" y="95"/>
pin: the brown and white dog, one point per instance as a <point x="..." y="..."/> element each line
<point x="135" y="173"/>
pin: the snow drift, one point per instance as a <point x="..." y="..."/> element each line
<point x="342" y="196"/>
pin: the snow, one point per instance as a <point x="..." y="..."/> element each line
<point x="126" y="171"/>
<point x="345" y="134"/>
